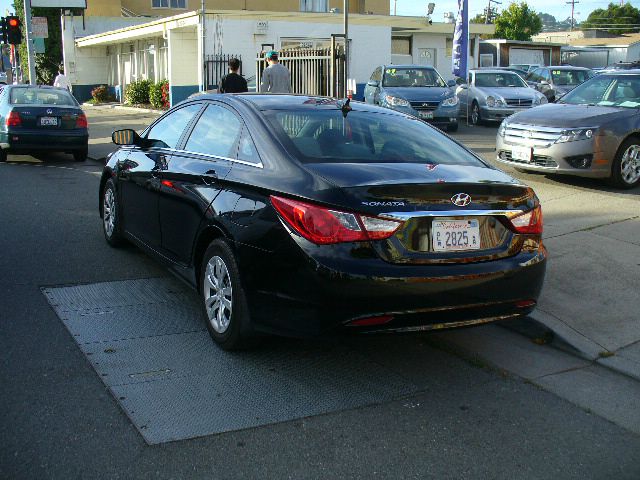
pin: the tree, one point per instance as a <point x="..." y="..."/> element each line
<point x="479" y="18"/>
<point x="517" y="22"/>
<point x="614" y="16"/>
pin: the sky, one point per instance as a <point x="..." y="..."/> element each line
<point x="557" y="8"/>
<point x="4" y="5"/>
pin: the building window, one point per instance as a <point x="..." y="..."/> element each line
<point x="314" y="6"/>
<point x="400" y="45"/>
<point x="169" y="3"/>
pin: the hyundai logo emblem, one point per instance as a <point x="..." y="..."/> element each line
<point x="461" y="199"/>
<point x="49" y="111"/>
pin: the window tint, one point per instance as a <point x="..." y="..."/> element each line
<point x="247" y="149"/>
<point x="324" y="135"/>
<point x="377" y="74"/>
<point x="535" y="75"/>
<point x="412" y="77"/>
<point x="216" y="133"/>
<point x="506" y="79"/>
<point x="167" y="132"/>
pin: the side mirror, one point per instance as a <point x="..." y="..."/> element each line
<point x="126" y="136"/>
<point x="373" y="83"/>
<point x="451" y="83"/>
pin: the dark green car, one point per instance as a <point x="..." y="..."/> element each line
<point x="41" y="119"/>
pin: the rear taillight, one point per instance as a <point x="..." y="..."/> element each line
<point x="323" y="226"/>
<point x="13" y="119"/>
<point x="529" y="222"/>
<point x="81" y="121"/>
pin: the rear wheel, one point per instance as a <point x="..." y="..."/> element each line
<point x="3" y="155"/>
<point x="625" y="172"/>
<point x="453" y="127"/>
<point x="476" y="119"/>
<point x="111" y="216"/>
<point x="81" y="155"/>
<point x="223" y="299"/>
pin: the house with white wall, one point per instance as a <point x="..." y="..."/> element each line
<point x="174" y="48"/>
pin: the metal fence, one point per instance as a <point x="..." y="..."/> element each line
<point x="216" y="67"/>
<point x="313" y="71"/>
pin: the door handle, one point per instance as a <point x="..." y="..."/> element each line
<point x="209" y="177"/>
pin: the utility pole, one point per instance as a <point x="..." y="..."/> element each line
<point x="27" y="35"/>
<point x="346" y="45"/>
<point x="395" y="7"/>
<point x="489" y="11"/>
<point x="573" y="6"/>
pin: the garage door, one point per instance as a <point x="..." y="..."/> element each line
<point x="526" y="56"/>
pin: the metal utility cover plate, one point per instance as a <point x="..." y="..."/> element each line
<point x="147" y="342"/>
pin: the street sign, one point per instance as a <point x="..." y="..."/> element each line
<point x="39" y="27"/>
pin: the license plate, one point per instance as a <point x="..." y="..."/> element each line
<point x="455" y="235"/>
<point x="426" y="115"/>
<point x="49" y="121"/>
<point x="522" y="154"/>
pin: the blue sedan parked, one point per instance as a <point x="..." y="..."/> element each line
<point x="416" y="90"/>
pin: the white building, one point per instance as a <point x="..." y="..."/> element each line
<point x="174" y="48"/>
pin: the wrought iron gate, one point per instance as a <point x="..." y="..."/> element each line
<point x="313" y="71"/>
<point x="216" y="67"/>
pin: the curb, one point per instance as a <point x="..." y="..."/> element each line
<point x="117" y="106"/>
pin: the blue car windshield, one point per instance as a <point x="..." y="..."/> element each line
<point x="412" y="77"/>
<point x="607" y="91"/>
<point x="325" y="136"/>
<point x="503" y="79"/>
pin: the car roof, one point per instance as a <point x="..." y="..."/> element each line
<point x="423" y="67"/>
<point x="565" y="67"/>
<point x="490" y="70"/>
<point x="285" y="101"/>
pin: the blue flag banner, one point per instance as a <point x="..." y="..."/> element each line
<point x="460" y="52"/>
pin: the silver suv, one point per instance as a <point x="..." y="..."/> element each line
<point x="593" y="131"/>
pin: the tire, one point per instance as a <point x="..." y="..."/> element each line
<point x="111" y="216"/>
<point x="81" y="155"/>
<point x="625" y="171"/>
<point x="476" y="118"/>
<point x="229" y="324"/>
<point x="452" y="128"/>
<point x="3" y="155"/>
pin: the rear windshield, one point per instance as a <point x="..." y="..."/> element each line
<point x="40" y="96"/>
<point x="569" y="77"/>
<point x="499" y="80"/>
<point x="320" y="136"/>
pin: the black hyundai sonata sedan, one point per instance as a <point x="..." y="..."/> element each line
<point x="301" y="215"/>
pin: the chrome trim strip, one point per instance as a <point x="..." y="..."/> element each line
<point x="403" y="216"/>
<point x="218" y="157"/>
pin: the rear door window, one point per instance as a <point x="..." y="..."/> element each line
<point x="216" y="133"/>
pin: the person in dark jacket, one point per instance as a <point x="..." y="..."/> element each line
<point x="232" y="82"/>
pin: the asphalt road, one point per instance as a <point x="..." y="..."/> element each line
<point x="59" y="421"/>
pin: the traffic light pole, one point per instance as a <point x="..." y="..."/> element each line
<point x="27" y="34"/>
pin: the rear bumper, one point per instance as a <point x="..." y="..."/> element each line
<point x="318" y="289"/>
<point x="36" y="140"/>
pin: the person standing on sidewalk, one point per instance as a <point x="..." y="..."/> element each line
<point x="61" y="81"/>
<point x="232" y="82"/>
<point x="276" y="77"/>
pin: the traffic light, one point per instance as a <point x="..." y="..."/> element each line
<point x="14" y="32"/>
<point x="3" y="30"/>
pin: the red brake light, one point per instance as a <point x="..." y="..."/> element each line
<point x="323" y="226"/>
<point x="13" y="119"/>
<point x="81" y="121"/>
<point x="529" y="222"/>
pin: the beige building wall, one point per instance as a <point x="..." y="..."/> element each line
<point x="103" y="8"/>
<point x="143" y="7"/>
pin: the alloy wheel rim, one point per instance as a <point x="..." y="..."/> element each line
<point x="474" y="114"/>
<point x="218" y="294"/>
<point x="630" y="165"/>
<point x="109" y="212"/>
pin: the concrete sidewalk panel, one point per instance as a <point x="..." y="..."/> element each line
<point x="591" y="285"/>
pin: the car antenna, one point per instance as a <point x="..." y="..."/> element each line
<point x="346" y="108"/>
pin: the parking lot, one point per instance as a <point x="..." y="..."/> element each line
<point x="108" y="371"/>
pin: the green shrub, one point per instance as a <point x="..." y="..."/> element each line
<point x="137" y="93"/>
<point x="156" y="94"/>
<point x="100" y="94"/>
